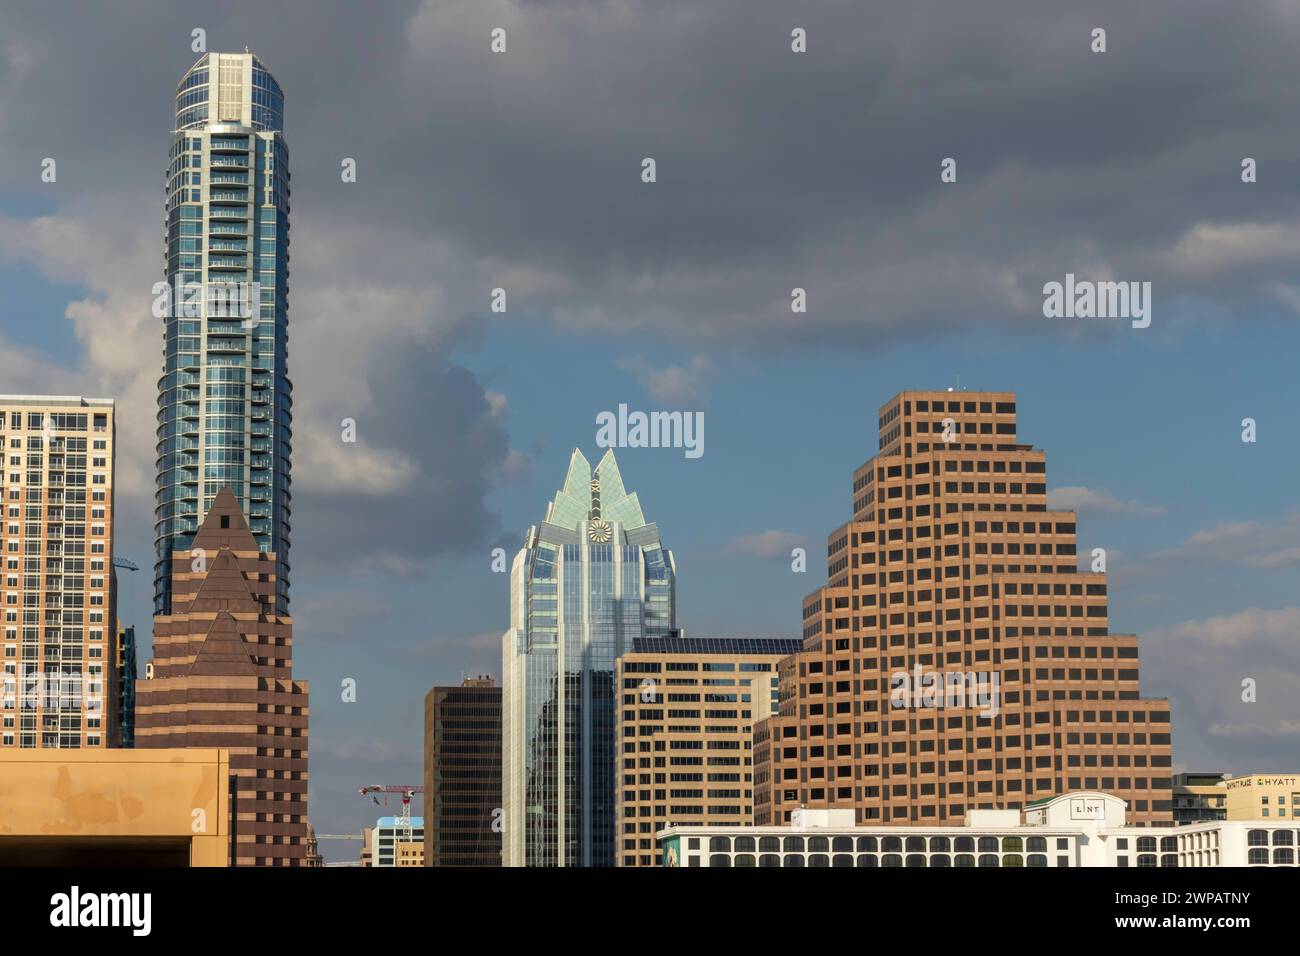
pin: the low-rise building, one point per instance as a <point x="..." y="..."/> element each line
<point x="410" y="854"/>
<point x="1081" y="829"/>
<point x="388" y="835"/>
<point x="1199" y="796"/>
<point x="1263" y="796"/>
<point x="114" y="807"/>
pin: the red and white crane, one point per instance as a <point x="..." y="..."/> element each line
<point x="404" y="821"/>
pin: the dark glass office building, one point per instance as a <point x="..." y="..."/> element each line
<point x="462" y="774"/>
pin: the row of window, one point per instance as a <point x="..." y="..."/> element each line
<point x="892" y="859"/>
<point x="871" y="844"/>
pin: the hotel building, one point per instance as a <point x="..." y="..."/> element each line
<point x="958" y="659"/>
<point x="222" y="676"/>
<point x="224" y="398"/>
<point x="1262" y="796"/>
<point x="685" y="726"/>
<point x="462" y="774"/>
<point x="1084" y="829"/>
<point x="60" y="685"/>
<point x="589" y="580"/>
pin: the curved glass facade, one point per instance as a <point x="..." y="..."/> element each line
<point x="224" y="399"/>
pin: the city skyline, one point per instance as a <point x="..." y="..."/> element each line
<point x="679" y="300"/>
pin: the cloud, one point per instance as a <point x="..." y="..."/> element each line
<point x="1205" y="667"/>
<point x="1208" y="249"/>
<point x="1081" y="499"/>
<point x="1253" y="625"/>
<point x="765" y="544"/>
<point x="524" y="174"/>
<point x="682" y="386"/>
<point x="1283" y="728"/>
<point x="1257" y="544"/>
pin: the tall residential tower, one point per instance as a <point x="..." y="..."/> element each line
<point x="60" y="637"/>
<point x="224" y="399"/>
<point x="590" y="579"/>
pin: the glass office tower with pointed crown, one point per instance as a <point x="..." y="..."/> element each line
<point x="224" y="399"/>
<point x="591" y="578"/>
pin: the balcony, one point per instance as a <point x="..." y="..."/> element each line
<point x="226" y="345"/>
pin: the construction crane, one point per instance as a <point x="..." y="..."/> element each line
<point x="125" y="564"/>
<point x="406" y="791"/>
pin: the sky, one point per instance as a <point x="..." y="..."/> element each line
<point x="774" y="170"/>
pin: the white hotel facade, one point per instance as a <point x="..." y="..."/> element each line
<point x="1081" y="829"/>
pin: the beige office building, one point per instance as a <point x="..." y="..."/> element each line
<point x="60" y="655"/>
<point x="958" y="659"/>
<point x="685" y="727"/>
<point x="410" y="854"/>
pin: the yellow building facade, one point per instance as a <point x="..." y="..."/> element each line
<point x="115" y="807"/>
<point x="1263" y="796"/>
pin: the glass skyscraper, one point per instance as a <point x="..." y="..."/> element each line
<point x="591" y="578"/>
<point x="224" y="399"/>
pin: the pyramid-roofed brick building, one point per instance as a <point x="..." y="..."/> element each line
<point x="222" y="676"/>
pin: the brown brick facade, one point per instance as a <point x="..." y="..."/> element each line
<point x="954" y="564"/>
<point x="223" y="677"/>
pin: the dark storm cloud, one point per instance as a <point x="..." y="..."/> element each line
<point x="437" y="417"/>
<point x="776" y="170"/>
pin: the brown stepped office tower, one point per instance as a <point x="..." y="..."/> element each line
<point x="223" y="677"/>
<point x="953" y="568"/>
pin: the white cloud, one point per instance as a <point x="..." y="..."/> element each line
<point x="1207" y="249"/>
<point x="765" y="544"/>
<point x="1081" y="499"/>
<point x="1282" y="728"/>
<point x="676" y="385"/>
<point x="1251" y="626"/>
